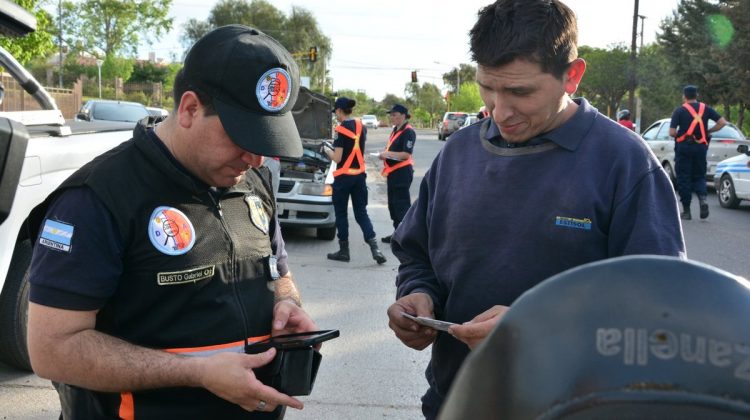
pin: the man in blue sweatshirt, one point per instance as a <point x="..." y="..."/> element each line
<point x="545" y="184"/>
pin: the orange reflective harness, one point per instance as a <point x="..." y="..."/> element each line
<point x="387" y="169"/>
<point x="697" y="120"/>
<point x="356" y="151"/>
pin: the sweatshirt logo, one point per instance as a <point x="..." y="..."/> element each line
<point x="573" y="223"/>
<point x="170" y="231"/>
<point x="258" y="214"/>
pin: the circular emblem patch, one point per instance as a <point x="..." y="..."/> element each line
<point x="273" y="89"/>
<point x="170" y="231"/>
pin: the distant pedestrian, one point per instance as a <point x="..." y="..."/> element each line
<point x="350" y="180"/>
<point x="689" y="128"/>
<point x="623" y="117"/>
<point x="398" y="166"/>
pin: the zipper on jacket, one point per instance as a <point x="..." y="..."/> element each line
<point x="233" y="266"/>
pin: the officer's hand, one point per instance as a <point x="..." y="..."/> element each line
<point x="409" y="332"/>
<point x="474" y="332"/>
<point x="230" y="376"/>
<point x="289" y="318"/>
<point x="382" y="156"/>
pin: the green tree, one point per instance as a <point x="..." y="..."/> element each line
<point x="658" y="86"/>
<point x="427" y="103"/>
<point x="451" y="79"/>
<point x="117" y="67"/>
<point x="694" y="47"/>
<point x="297" y="33"/>
<point x="149" y="72"/>
<point x="468" y="98"/>
<point x="606" y="79"/>
<point x="738" y="11"/>
<point x="38" y="43"/>
<point x="114" y="27"/>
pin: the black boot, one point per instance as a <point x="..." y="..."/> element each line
<point x="376" y="254"/>
<point x="342" y="254"/>
<point x="685" y="215"/>
<point x="704" y="207"/>
<point x="386" y="239"/>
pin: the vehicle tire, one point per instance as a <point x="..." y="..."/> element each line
<point x="670" y="172"/>
<point x="725" y="192"/>
<point x="327" y="234"/>
<point x="14" y="309"/>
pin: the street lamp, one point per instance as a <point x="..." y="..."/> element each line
<point x="99" y="63"/>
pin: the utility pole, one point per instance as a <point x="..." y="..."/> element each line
<point x="642" y="19"/>
<point x="631" y="96"/>
<point x="59" y="42"/>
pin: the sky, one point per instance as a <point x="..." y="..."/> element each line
<point x="377" y="43"/>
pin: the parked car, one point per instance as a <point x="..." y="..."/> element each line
<point x="304" y="195"/>
<point x="471" y="119"/>
<point x="106" y="110"/>
<point x="452" y="121"/>
<point x="370" y="121"/>
<point x="157" y="112"/>
<point x="734" y="179"/>
<point x="723" y="145"/>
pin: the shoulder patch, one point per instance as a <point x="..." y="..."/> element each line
<point x="57" y="235"/>
<point x="258" y="214"/>
<point x="170" y="231"/>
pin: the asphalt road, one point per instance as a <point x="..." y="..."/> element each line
<point x="367" y="373"/>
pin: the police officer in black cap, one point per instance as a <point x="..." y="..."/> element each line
<point x="158" y="262"/>
<point x="689" y="127"/>
<point x="398" y="165"/>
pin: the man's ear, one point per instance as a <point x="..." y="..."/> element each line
<point x="573" y="75"/>
<point x="189" y="108"/>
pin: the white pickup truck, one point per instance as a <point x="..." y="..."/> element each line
<point x="55" y="149"/>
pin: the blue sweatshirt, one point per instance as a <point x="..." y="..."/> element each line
<point x="492" y="222"/>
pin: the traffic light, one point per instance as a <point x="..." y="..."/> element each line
<point x="313" y="54"/>
<point x="414" y="76"/>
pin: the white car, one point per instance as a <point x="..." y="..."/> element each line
<point x="723" y="145"/>
<point x="370" y="121"/>
<point x="733" y="177"/>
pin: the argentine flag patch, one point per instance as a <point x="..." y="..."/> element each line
<point x="57" y="235"/>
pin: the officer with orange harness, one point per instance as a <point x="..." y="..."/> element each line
<point x="350" y="180"/>
<point x="398" y="166"/>
<point x="691" y="145"/>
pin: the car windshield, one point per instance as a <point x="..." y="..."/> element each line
<point x="368" y="117"/>
<point x="729" y="131"/>
<point x="119" y="112"/>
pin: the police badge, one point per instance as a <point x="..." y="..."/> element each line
<point x="258" y="214"/>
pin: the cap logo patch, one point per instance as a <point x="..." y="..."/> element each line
<point x="273" y="89"/>
<point x="170" y="231"/>
<point x="258" y="214"/>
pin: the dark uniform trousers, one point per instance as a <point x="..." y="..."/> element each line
<point x="399" y="199"/>
<point x="356" y="187"/>
<point x="690" y="168"/>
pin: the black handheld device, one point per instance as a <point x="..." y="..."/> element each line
<point x="291" y="341"/>
<point x="295" y="366"/>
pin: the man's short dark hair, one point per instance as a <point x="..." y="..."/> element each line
<point x="541" y="31"/>
<point x="182" y="85"/>
<point x="690" y="92"/>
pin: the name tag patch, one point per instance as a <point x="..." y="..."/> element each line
<point x="57" y="235"/>
<point x="573" y="223"/>
<point x="193" y="275"/>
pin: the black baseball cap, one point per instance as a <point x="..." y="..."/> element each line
<point x="399" y="108"/>
<point x="253" y="82"/>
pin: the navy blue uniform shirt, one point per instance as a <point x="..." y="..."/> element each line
<point x="682" y="118"/>
<point x="348" y="144"/>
